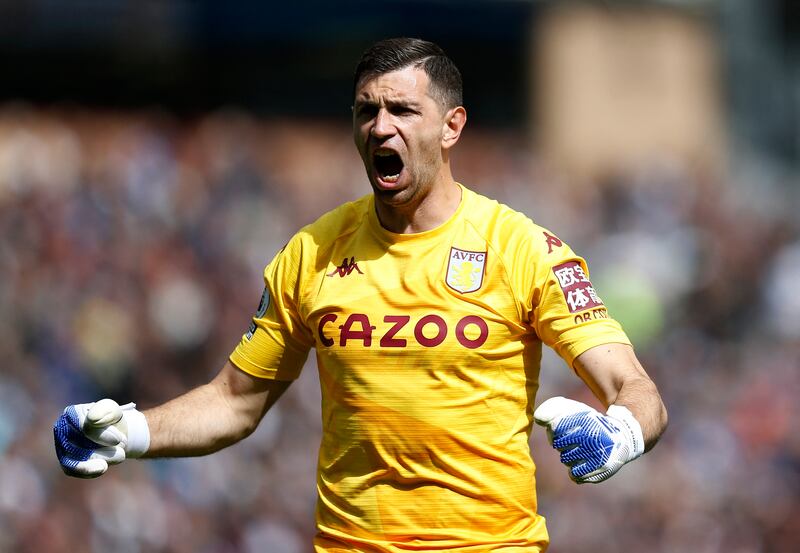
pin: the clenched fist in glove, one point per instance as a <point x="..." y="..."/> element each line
<point x="91" y="436"/>
<point x="592" y="444"/>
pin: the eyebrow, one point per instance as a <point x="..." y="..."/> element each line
<point x="391" y="102"/>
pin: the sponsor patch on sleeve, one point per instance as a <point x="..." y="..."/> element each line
<point x="576" y="287"/>
<point x="262" y="309"/>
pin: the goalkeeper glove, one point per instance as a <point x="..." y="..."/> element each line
<point x="91" y="436"/>
<point x="593" y="445"/>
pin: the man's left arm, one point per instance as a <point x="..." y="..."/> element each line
<point x="616" y="377"/>
<point x="596" y="445"/>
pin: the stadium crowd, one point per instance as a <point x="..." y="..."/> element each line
<point x="131" y="253"/>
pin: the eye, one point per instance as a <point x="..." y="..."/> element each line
<point x="366" y="111"/>
<point x="401" y="110"/>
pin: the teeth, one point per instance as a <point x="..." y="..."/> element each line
<point x="391" y="178"/>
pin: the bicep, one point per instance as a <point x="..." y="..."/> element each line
<point x="607" y="368"/>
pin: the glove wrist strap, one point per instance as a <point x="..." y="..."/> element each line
<point x="138" y="432"/>
<point x="623" y="414"/>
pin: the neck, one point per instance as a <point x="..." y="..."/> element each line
<point x="431" y="210"/>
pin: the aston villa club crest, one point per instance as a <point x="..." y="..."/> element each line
<point x="465" y="270"/>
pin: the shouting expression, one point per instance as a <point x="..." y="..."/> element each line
<point x="398" y="129"/>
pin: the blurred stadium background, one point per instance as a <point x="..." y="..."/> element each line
<point x="155" y="155"/>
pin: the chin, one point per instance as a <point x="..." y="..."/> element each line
<point x="393" y="196"/>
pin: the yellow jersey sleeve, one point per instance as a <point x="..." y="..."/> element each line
<point x="277" y="343"/>
<point x="566" y="311"/>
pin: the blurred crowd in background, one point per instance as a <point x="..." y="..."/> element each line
<point x="131" y="258"/>
<point x="132" y="245"/>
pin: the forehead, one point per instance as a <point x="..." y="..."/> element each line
<point x="408" y="83"/>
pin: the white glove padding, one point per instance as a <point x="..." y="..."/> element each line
<point x="593" y="445"/>
<point x="91" y="436"/>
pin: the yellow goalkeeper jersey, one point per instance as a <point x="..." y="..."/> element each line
<point x="428" y="348"/>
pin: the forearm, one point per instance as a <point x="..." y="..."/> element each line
<point x="641" y="397"/>
<point x="91" y="436"/>
<point x="212" y="416"/>
<point x="199" y="422"/>
<point x="616" y="377"/>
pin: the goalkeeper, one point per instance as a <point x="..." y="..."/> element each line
<point x="427" y="305"/>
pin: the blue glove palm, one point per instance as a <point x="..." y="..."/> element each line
<point x="593" y="445"/>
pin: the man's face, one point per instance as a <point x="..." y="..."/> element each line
<point x="398" y="129"/>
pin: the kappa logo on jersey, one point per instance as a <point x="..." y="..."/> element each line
<point x="347" y="267"/>
<point x="578" y="290"/>
<point x="551" y="241"/>
<point x="465" y="270"/>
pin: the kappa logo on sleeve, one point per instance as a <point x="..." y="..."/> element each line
<point x="576" y="287"/>
<point x="551" y="241"/>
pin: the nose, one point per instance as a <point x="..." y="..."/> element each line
<point x="383" y="125"/>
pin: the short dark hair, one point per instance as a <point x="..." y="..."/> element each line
<point x="393" y="54"/>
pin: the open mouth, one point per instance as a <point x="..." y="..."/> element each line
<point x="388" y="165"/>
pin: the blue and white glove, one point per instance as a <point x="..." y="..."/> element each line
<point x="593" y="445"/>
<point x="91" y="436"/>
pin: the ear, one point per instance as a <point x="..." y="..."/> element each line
<point x="454" y="122"/>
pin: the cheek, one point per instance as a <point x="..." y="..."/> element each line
<point x="430" y="146"/>
<point x="360" y="142"/>
<point x="428" y="141"/>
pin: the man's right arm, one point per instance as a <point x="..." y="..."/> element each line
<point x="91" y="436"/>
<point x="212" y="416"/>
